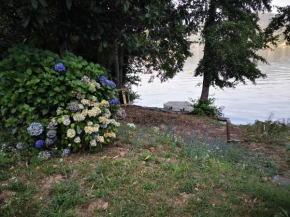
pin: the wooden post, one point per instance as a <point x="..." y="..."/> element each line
<point x="228" y="131"/>
<point x="124" y="97"/>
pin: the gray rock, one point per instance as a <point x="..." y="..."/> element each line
<point x="178" y="106"/>
<point x="121" y="114"/>
<point x="281" y="180"/>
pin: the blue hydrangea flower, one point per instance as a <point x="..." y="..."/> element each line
<point x="66" y="152"/>
<point x="52" y="124"/>
<point x="12" y="131"/>
<point x="114" y="101"/>
<point x="51" y="134"/>
<point x="50" y="141"/>
<point x="111" y="84"/>
<point x="39" y="143"/>
<point x="74" y="106"/>
<point x="79" y="132"/>
<point x="59" y="67"/>
<point x="96" y="136"/>
<point x="103" y="79"/>
<point x="19" y="146"/>
<point x="35" y="129"/>
<point x="105" y="125"/>
<point x="107" y="82"/>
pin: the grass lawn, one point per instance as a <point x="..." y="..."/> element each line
<point x="148" y="172"/>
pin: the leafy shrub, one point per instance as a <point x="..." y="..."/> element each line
<point x="277" y="131"/>
<point x="56" y="103"/>
<point x="32" y="86"/>
<point x="205" y="107"/>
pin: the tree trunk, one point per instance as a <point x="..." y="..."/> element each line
<point x="208" y="51"/>
<point x="116" y="66"/>
<point x="121" y="66"/>
<point x="205" y="87"/>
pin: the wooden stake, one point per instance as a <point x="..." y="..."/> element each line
<point x="228" y="131"/>
<point x="124" y="97"/>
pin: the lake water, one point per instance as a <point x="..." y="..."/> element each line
<point x="244" y="104"/>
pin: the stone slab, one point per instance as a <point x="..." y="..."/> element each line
<point x="281" y="180"/>
<point x="178" y="106"/>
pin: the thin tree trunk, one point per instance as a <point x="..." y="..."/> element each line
<point x="121" y="66"/>
<point x="207" y="51"/>
<point x="116" y="66"/>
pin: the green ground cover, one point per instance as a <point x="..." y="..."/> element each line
<point x="146" y="173"/>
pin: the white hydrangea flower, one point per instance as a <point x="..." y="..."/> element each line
<point x="90" y="123"/>
<point x="93" y="143"/>
<point x="98" y="86"/>
<point x="77" y="140"/>
<point x="94" y="112"/>
<point x="81" y="106"/>
<point x="85" y="101"/>
<point x="65" y="120"/>
<point x="71" y="133"/>
<point x="79" y="117"/>
<point x="101" y="139"/>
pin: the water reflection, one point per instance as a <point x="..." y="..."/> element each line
<point x="244" y="104"/>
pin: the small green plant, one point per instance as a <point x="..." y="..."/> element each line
<point x="205" y="107"/>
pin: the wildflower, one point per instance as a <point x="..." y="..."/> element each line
<point x="51" y="134"/>
<point x="59" y="67"/>
<point x="74" y="107"/>
<point x="77" y="140"/>
<point x="131" y="125"/>
<point x="39" y="143"/>
<point x="71" y="133"/>
<point x="50" y="141"/>
<point x="114" y="101"/>
<point x="79" y="117"/>
<point x="35" y="129"/>
<point x="93" y="143"/>
<point x="101" y="139"/>
<point x="19" y="146"/>
<point x="44" y="155"/>
<point x="66" y="152"/>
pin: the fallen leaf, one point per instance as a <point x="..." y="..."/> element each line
<point x="122" y="153"/>
<point x="255" y="200"/>
<point x="146" y="158"/>
<point x="105" y="206"/>
<point x="197" y="187"/>
<point x="56" y="166"/>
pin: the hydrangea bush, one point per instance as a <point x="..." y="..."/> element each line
<point x="56" y="104"/>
